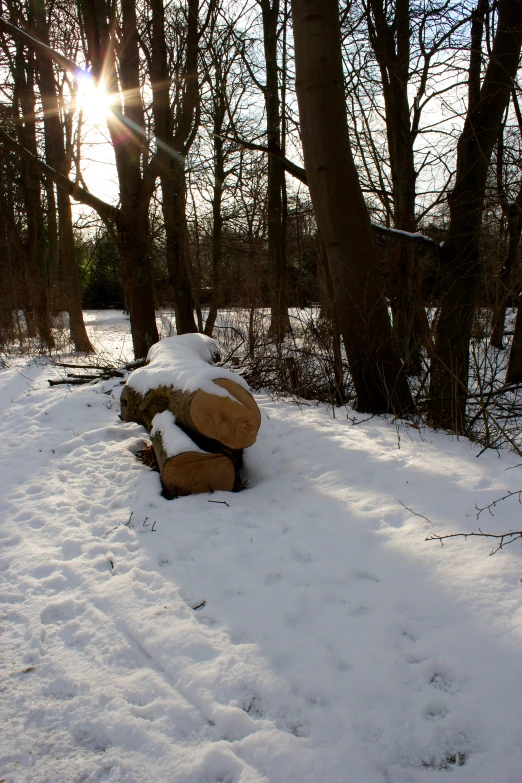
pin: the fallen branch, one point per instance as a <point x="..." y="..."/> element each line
<point x="68" y="382"/>
<point x="103" y="372"/>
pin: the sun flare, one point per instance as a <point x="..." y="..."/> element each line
<point x="93" y="100"/>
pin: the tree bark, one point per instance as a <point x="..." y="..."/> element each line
<point x="53" y="248"/>
<point x="136" y="178"/>
<point x="126" y="124"/>
<point x="174" y="134"/>
<point x="36" y="266"/>
<point x="217" y="218"/>
<point x="391" y="44"/>
<point x="460" y="256"/>
<point x="343" y="220"/>
<point x="57" y="158"/>
<point x="279" y="322"/>
<point x="514" y="369"/>
<point x="514" y="221"/>
<point x="512" y="212"/>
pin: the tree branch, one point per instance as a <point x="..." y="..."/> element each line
<point x="38" y="46"/>
<point x="299" y="173"/>
<point x="106" y="211"/>
<point x="503" y="538"/>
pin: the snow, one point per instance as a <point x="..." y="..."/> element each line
<point x="411" y="234"/>
<point x="305" y="631"/>
<point x="183" y="362"/>
<point x="174" y="440"/>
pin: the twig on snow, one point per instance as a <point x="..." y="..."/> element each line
<point x="498" y="500"/>
<point x="415" y="512"/>
<point x="503" y="538"/>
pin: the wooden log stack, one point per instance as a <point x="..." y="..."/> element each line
<point x="200" y="416"/>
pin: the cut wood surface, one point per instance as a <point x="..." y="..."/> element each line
<point x="193" y="472"/>
<point x="232" y="420"/>
<point x="209" y="403"/>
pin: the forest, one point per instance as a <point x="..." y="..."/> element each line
<point x="353" y="186"/>
<point x="260" y="391"/>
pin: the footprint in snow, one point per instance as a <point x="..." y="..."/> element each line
<point x="442" y="682"/>
<point x="91" y="740"/>
<point x="60" y="688"/>
<point x="34" y="489"/>
<point x="11" y="598"/>
<point x="273" y="579"/>
<point x="37" y="523"/>
<point x="435" y="713"/>
<point x="361" y="611"/>
<point x="366" y="575"/>
<point x="61" y="612"/>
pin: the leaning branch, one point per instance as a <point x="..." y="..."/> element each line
<point x="107" y="212"/>
<point x="300" y="174"/>
<point x="20" y="35"/>
<point x="409" y="236"/>
<point x="292" y="168"/>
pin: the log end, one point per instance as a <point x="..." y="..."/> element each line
<point x="194" y="473"/>
<point x="233" y="421"/>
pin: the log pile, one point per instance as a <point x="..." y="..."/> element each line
<point x="200" y="416"/>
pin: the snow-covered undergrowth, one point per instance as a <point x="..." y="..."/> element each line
<point x="303" y="631"/>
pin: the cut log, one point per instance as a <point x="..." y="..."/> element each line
<point x="185" y="468"/>
<point x="232" y="420"/>
<point x="210" y="403"/>
<point x="193" y="473"/>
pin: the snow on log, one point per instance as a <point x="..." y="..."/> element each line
<point x="206" y="400"/>
<point x="185" y="468"/>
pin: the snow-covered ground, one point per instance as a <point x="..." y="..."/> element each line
<point x="303" y="632"/>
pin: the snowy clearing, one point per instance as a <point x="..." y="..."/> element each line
<point x="302" y="632"/>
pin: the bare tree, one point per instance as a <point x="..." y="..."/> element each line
<point x="116" y="64"/>
<point x="460" y="260"/>
<point x="176" y="120"/>
<point x="59" y="157"/>
<point x="341" y="213"/>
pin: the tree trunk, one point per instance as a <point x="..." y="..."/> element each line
<point x="341" y="213"/>
<point x="514" y="370"/>
<point x="328" y="297"/>
<point x="36" y="267"/>
<point x="512" y="212"/>
<point x="56" y="158"/>
<point x="280" y="322"/>
<point x="53" y="248"/>
<point x="391" y="44"/>
<point x="460" y="257"/>
<point x="126" y="123"/>
<point x="134" y="250"/>
<point x="173" y="187"/>
<point x="79" y="336"/>
<point x="175" y="134"/>
<point x="217" y="225"/>
<point x="506" y="273"/>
